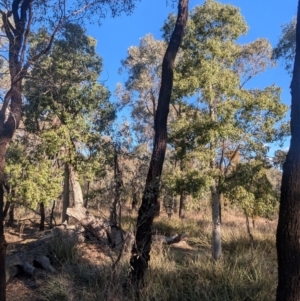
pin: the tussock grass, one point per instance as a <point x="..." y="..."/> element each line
<point x="179" y="272"/>
<point x="63" y="249"/>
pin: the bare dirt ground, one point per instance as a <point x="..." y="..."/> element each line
<point x="23" y="287"/>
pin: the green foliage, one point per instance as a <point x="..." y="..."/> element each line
<point x="231" y="124"/>
<point x="140" y="92"/>
<point x="66" y="105"/>
<point x="249" y="187"/>
<point x="286" y="47"/>
<point x="33" y="180"/>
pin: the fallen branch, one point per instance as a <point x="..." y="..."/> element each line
<point x="170" y="240"/>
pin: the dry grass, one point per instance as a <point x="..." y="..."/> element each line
<point x="181" y="272"/>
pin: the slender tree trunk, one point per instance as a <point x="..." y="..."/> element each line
<point x="118" y="189"/>
<point x="42" y="213"/>
<point x="216" y="233"/>
<point x="183" y="197"/>
<point x="288" y="231"/>
<point x="143" y="238"/>
<point x="249" y="230"/>
<point x="11" y="214"/>
<point x="3" y="246"/>
<point x="6" y="208"/>
<point x="182" y="204"/>
<point x="86" y="203"/>
<point x="76" y="188"/>
<point x="52" y="215"/>
<point x="66" y="194"/>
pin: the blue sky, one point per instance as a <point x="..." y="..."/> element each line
<point x="116" y="35"/>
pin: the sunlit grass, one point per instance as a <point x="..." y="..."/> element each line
<point x="179" y="272"/>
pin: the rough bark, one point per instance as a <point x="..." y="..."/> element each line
<point x="75" y="187"/>
<point x="140" y="254"/>
<point x="17" y="33"/>
<point x="6" y="208"/>
<point x="3" y="246"/>
<point x="52" y="219"/>
<point x="42" y="213"/>
<point x="11" y="214"/>
<point x="66" y="194"/>
<point x="288" y="231"/>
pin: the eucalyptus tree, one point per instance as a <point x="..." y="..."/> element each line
<point x="141" y="89"/>
<point x="20" y="19"/>
<point x="239" y="121"/>
<point x="286" y="47"/>
<point x="140" y="254"/>
<point x="288" y="231"/>
<point x="66" y="105"/>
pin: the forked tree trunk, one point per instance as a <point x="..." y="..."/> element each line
<point x="143" y="238"/>
<point x="288" y="231"/>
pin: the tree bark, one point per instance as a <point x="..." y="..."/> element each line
<point x="216" y="233"/>
<point x="3" y="246"/>
<point x="52" y="219"/>
<point x="75" y="187"/>
<point x="10" y="112"/>
<point x="143" y="238"/>
<point x="11" y="214"/>
<point x="86" y="203"/>
<point x="182" y="204"/>
<point x="6" y="208"/>
<point x="288" y="230"/>
<point x="42" y="213"/>
<point x="66" y="194"/>
<point x="182" y="201"/>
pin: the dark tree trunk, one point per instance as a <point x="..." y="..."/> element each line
<point x="183" y="196"/>
<point x="42" y="213"/>
<point x="6" y="208"/>
<point x="66" y="194"/>
<point x="143" y="237"/>
<point x="86" y="203"/>
<point x="11" y="214"/>
<point x="3" y="246"/>
<point x="288" y="231"/>
<point x="52" y="219"/>
<point x="10" y="112"/>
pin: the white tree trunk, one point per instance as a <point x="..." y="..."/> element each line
<point x="216" y="233"/>
<point x="76" y="188"/>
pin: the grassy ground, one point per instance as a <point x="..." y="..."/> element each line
<point x="183" y="271"/>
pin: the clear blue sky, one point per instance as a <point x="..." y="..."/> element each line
<point x="115" y="36"/>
